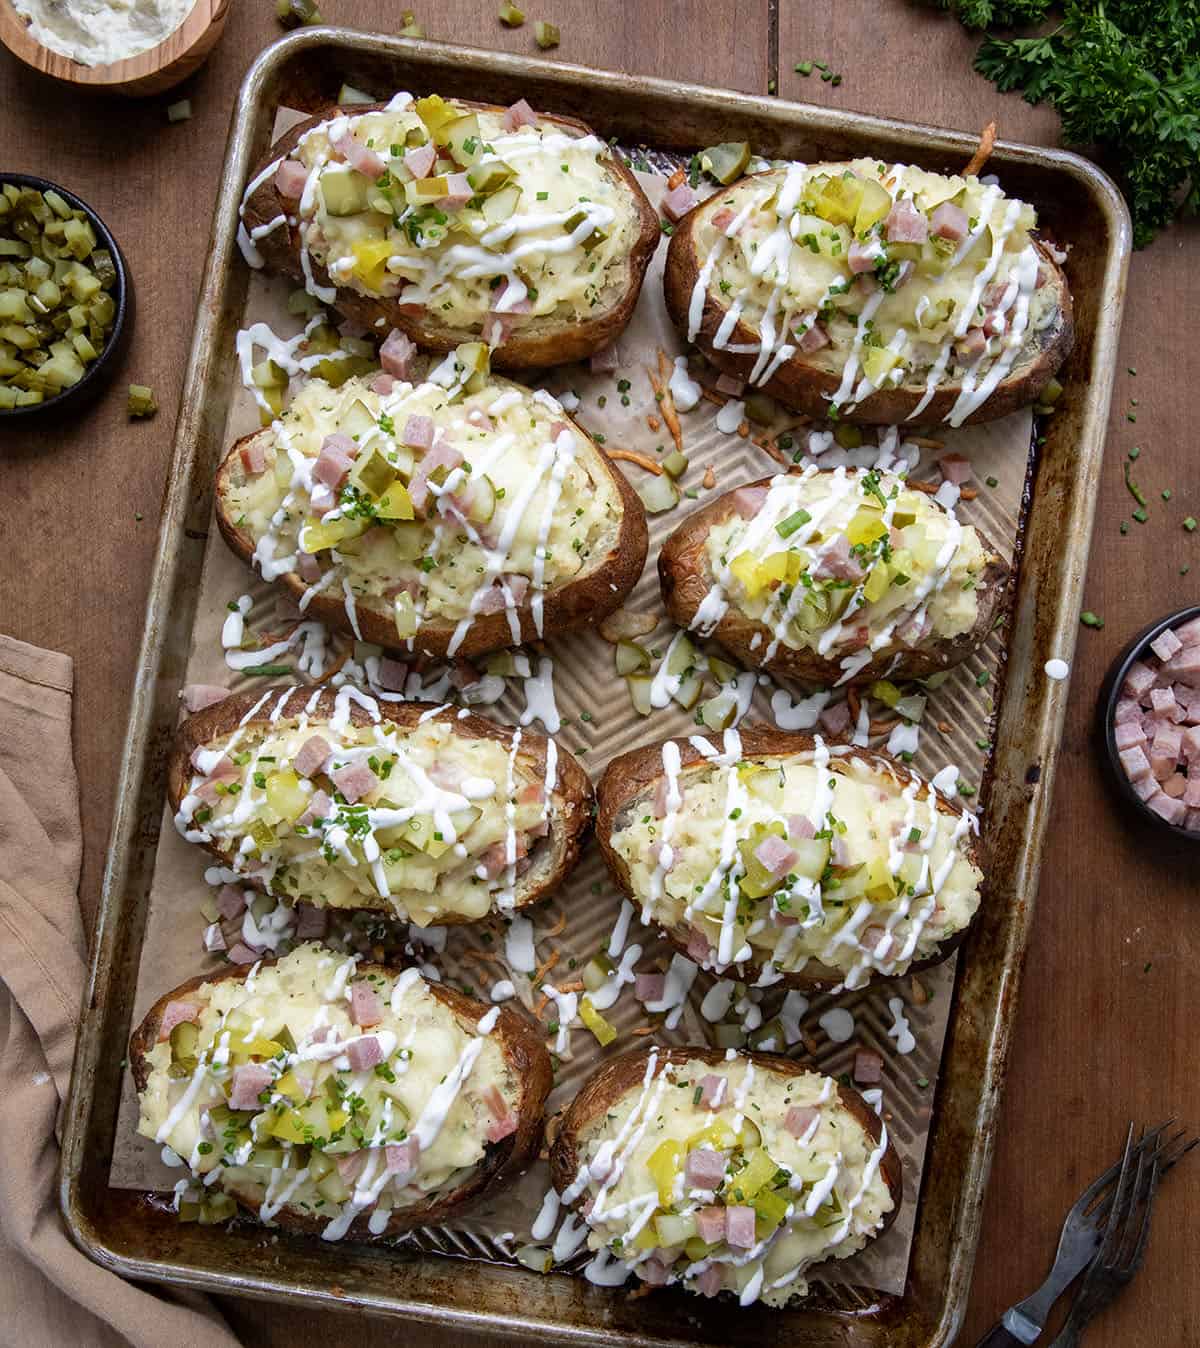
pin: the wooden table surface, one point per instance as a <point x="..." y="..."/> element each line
<point x="1102" y="1031"/>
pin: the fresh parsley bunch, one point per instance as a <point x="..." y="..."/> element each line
<point x="1124" y="76"/>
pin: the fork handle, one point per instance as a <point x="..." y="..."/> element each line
<point x="999" y="1337"/>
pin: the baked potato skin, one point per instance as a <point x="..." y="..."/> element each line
<point x="635" y="774"/>
<point x="806" y="387"/>
<point x="524" y="1052"/>
<point x="539" y="346"/>
<point x="571" y="807"/>
<point x="581" y="602"/>
<point x="684" y="578"/>
<point x="618" y="1076"/>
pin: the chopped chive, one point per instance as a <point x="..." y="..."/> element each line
<point x="992" y="481"/>
<point x="1124" y="526"/>
<point x="1134" y="490"/>
<point x="786" y="528"/>
<point x="1089" y="619"/>
<point x="1135" y="451"/>
<point x="1190" y="525"/>
<point x="1166" y="495"/>
<point x="982" y="678"/>
<point x="1140" y="515"/>
<point x="803" y="68"/>
<point x="267" y="671"/>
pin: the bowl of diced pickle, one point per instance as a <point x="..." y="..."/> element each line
<point x="64" y="297"/>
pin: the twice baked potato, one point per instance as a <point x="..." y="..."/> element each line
<point x="437" y="517"/>
<point x="833" y="576"/>
<point x="778" y="855"/>
<point x="336" y="1097"/>
<point x="872" y="292"/>
<point x="722" y="1172"/>
<point x="452" y="220"/>
<point x="417" y="812"/>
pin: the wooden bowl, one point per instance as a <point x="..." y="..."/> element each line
<point x="150" y="72"/>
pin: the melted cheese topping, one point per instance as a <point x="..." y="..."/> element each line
<point x="325" y="1138"/>
<point x="884" y="881"/>
<point x="523" y="510"/>
<point x="815" y="1189"/>
<point x="550" y="217"/>
<point x="421" y="823"/>
<point x="844" y="563"/>
<point x="778" y="248"/>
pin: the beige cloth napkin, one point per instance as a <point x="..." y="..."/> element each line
<point x="52" y="1295"/>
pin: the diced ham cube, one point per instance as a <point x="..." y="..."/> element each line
<point x="257" y="457"/>
<point x="905" y="224"/>
<point x="1128" y="733"/>
<point x="862" y="257"/>
<point x="241" y="953"/>
<point x="1185" y="667"/>
<point x="868" y="1067"/>
<point x="799" y="1119"/>
<point x="704" y="1169"/>
<point x="1144" y="787"/>
<point x="495" y="600"/>
<point x="711" y="1281"/>
<point x="1167" y="807"/>
<point x="320" y="806"/>
<point x="290" y="179"/>
<point x="971" y="346"/>
<point x="605" y="360"/>
<point x="955" y="468"/>
<point x="396" y="353"/>
<point x="1166" y="742"/>
<point x="442" y="455"/>
<point x="501" y="1128"/>
<point x="1166" y="644"/>
<point x="713" y="1091"/>
<point x="1162" y="701"/>
<point x="364" y="1053"/>
<point x="1140" y="679"/>
<point x="654" y="1272"/>
<point x="1189" y="745"/>
<point x="308" y="567"/>
<point x="836" y="562"/>
<point x="835" y="719"/>
<point x="230" y="902"/>
<point x="731" y="385"/>
<point x="352" y="1164"/>
<point x="1189" y="632"/>
<point x="1192" y="821"/>
<point x="496" y="329"/>
<point x="649" y="987"/>
<point x="775" y="855"/>
<point x="1135" y="763"/>
<point x="748" y="501"/>
<point x="176" y="1013"/>
<point x="354" y="781"/>
<point x="710" y="1224"/>
<point x="1191" y="796"/>
<point x="420" y="160"/>
<point x="314" y="754"/>
<point x="392" y="675"/>
<point x="814" y="339"/>
<point x="382" y="384"/>
<point x="800" y="826"/>
<point x="365" y="1007"/>
<point x="197" y="696"/>
<point x="419" y="432"/>
<point x="739" y="1226"/>
<point x="402" y="1157"/>
<point x="311" y="922"/>
<point x="1127" y="710"/>
<point x="949" y="221"/>
<point x="678" y="201"/>
<point x="1176" y="786"/>
<point x="249" y="1082"/>
<point x="1162" y="766"/>
<point x="698" y="948"/>
<point x="458" y="191"/>
<point x="359" y="156"/>
<point x="214" y="939"/>
<point x="519" y="115"/>
<point x="335" y="460"/>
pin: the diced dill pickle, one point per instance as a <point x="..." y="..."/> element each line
<point x="189" y="1211"/>
<point x="511" y="16"/>
<point x="675" y="464"/>
<point x="502" y="204"/>
<point x="345" y="193"/>
<point x="29" y="397"/>
<point x="847" y="435"/>
<point x="80" y="239"/>
<point x="372" y="473"/>
<point x="184" y="1040"/>
<point x="182" y="1067"/>
<point x="14" y="248"/>
<point x="631" y="657"/>
<point x="302" y="304"/>
<point x="179" y="112"/>
<point x="462" y="138"/>
<point x="1051" y="393"/>
<point x="141" y="401"/>
<point x="760" y="408"/>
<point x="14" y="306"/>
<point x="546" y="35"/>
<point x="409" y="27"/>
<point x="490" y="177"/>
<point x="216" y="1208"/>
<point x="727" y="161"/>
<point x="297" y="13"/>
<point x="589" y="241"/>
<point x="269" y="374"/>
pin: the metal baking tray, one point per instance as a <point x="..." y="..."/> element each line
<point x="135" y="1236"/>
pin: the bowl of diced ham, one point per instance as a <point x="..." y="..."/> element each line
<point x="1151" y="711"/>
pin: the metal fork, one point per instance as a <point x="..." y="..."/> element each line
<point x="1126" y="1234"/>
<point x="1081" y="1236"/>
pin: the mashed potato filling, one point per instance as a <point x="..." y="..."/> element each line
<point x="421" y="823"/>
<point x="844" y="563"/>
<point x="818" y="858"/>
<point x="445" y="505"/>
<point x="465" y="214"/>
<point x="882" y="274"/>
<point x="334" y="1094"/>
<point x="731" y="1178"/>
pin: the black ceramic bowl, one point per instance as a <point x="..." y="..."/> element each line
<point x="102" y="369"/>
<point x="1110" y="694"/>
